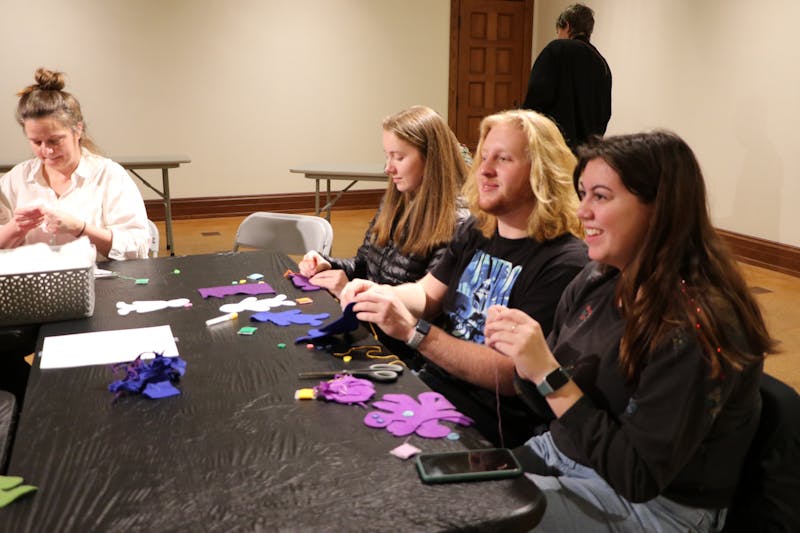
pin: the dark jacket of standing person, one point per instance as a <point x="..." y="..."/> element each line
<point x="570" y="81"/>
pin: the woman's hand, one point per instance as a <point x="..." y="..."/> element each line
<point x="60" y="222"/>
<point x="380" y="305"/>
<point x="333" y="280"/>
<point x="28" y="218"/>
<point x="313" y="263"/>
<point x="517" y="335"/>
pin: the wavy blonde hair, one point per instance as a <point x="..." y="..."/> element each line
<point x="552" y="164"/>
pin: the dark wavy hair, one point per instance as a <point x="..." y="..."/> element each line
<point x="683" y="275"/>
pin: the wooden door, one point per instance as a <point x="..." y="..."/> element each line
<point x="490" y="60"/>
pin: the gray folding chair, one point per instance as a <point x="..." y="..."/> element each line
<point x="282" y="232"/>
<point x="154" y="239"/>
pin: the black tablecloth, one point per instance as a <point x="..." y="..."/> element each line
<point x="235" y="451"/>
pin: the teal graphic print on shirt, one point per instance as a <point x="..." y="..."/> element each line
<point x="486" y="281"/>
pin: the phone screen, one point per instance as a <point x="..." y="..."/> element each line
<point x="467" y="464"/>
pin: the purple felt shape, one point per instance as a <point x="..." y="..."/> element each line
<point x="252" y="289"/>
<point x="151" y="378"/>
<point x="286" y="318"/>
<point x="161" y="389"/>
<point x="346" y="389"/>
<point x="301" y="282"/>
<point x="346" y="322"/>
<point x="402" y="415"/>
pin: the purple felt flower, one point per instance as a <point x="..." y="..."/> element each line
<point x="346" y="389"/>
<point x="286" y="318"/>
<point x="402" y="415"/>
<point x="152" y="378"/>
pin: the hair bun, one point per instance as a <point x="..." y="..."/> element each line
<point x="49" y="80"/>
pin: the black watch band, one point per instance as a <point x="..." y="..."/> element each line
<point x="553" y="381"/>
<point x="420" y="330"/>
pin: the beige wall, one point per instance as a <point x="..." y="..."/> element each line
<point x="724" y="75"/>
<point x="250" y="88"/>
<point x="246" y="88"/>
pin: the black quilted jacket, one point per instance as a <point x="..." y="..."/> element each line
<point x="386" y="265"/>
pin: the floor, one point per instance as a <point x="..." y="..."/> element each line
<point x="777" y="293"/>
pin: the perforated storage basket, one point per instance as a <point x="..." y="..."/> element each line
<point x="38" y="297"/>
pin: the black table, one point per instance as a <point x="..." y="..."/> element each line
<point x="235" y="451"/>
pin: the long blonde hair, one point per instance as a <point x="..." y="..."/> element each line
<point x="552" y="164"/>
<point x="420" y="222"/>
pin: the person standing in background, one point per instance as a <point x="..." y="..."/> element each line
<point x="570" y="81"/>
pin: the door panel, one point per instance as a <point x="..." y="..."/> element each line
<point x="490" y="59"/>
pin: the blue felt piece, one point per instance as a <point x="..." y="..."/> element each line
<point x="293" y="316"/>
<point x="140" y="374"/>
<point x="347" y="322"/>
<point x="161" y="389"/>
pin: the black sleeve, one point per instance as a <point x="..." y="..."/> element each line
<point x="356" y="267"/>
<point x="527" y="390"/>
<point x="669" y="415"/>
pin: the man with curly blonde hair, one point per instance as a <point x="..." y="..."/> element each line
<point x="521" y="248"/>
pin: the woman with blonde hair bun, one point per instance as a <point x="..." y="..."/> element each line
<point x="67" y="191"/>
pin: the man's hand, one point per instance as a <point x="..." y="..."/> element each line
<point x="379" y="304"/>
<point x="353" y="289"/>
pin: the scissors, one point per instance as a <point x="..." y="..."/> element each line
<point x="378" y="372"/>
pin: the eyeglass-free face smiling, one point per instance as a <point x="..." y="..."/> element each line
<point x="615" y="219"/>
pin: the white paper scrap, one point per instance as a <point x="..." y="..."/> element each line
<point x="107" y="347"/>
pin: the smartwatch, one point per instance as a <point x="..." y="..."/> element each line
<point x="420" y="330"/>
<point x="553" y="381"/>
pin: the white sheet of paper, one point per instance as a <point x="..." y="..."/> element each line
<point x="107" y="347"/>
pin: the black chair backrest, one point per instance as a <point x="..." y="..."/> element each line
<point x="768" y="497"/>
<point x="8" y="409"/>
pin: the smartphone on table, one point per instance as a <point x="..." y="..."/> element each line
<point x="468" y="465"/>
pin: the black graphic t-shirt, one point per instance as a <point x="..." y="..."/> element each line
<point x="520" y="273"/>
<point x="479" y="272"/>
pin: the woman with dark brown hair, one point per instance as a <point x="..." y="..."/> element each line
<point x="651" y="372"/>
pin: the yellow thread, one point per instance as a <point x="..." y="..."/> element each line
<point x="371" y="352"/>
<point x="372" y="328"/>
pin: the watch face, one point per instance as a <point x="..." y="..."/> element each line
<point x="557" y="378"/>
<point x="554" y="381"/>
<point x="423" y="327"/>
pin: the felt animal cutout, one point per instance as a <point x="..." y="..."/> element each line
<point x="293" y="316"/>
<point x="254" y="304"/>
<point x="147" y="306"/>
